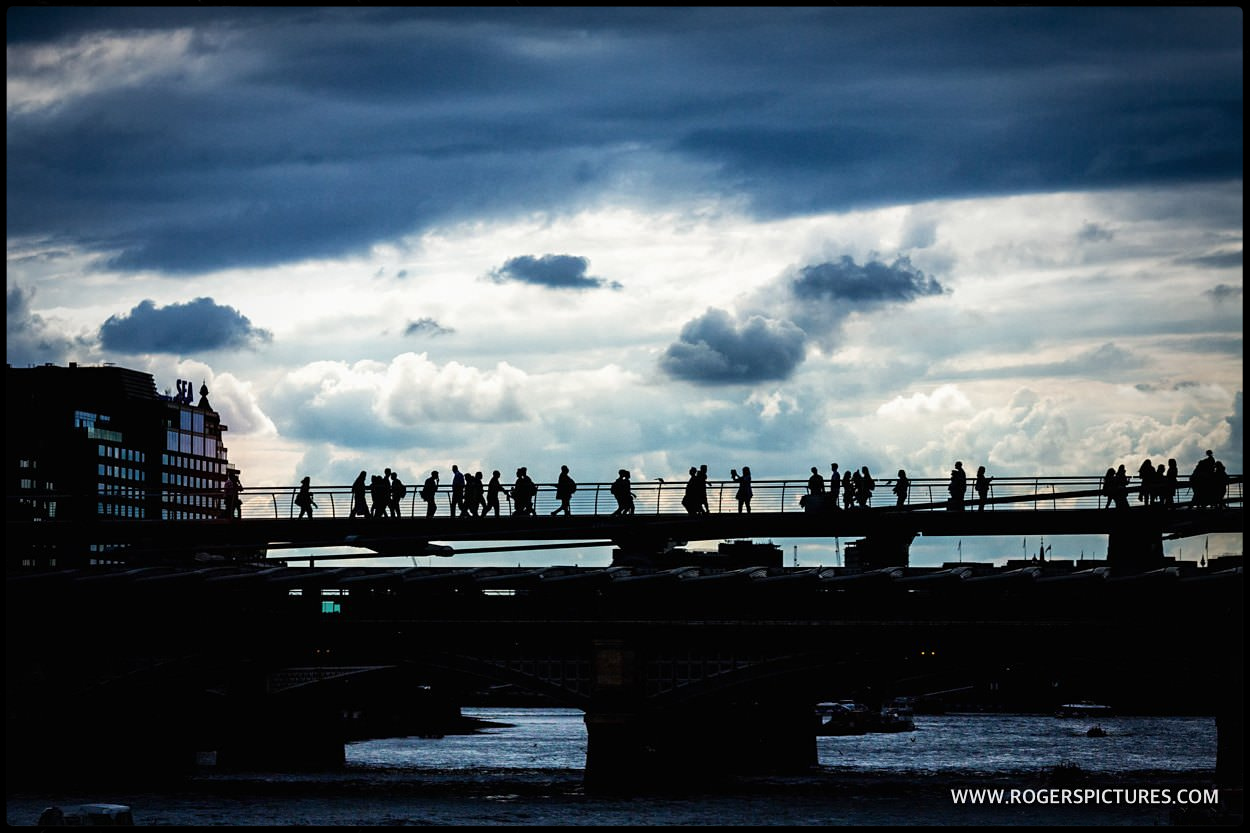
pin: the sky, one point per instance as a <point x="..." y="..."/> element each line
<point x="646" y="238"/>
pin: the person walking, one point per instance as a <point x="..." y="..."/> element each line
<point x="958" y="487"/>
<point x="621" y="491"/>
<point x="493" y="488"/>
<point x="565" y="487"/>
<point x="398" y="492"/>
<point x="474" y="494"/>
<point x="901" y="486"/>
<point x="360" y="501"/>
<point x="234" y="503"/>
<point x="982" y="486"/>
<point x="457" y="491"/>
<point x="524" y="490"/>
<point x="866" y="485"/>
<point x="304" y="499"/>
<point x="429" y="490"/>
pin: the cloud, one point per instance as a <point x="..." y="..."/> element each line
<point x="408" y="401"/>
<point x="201" y="324"/>
<point x="187" y="141"/>
<point x="716" y="348"/>
<point x="1221" y="293"/>
<point x="947" y="399"/>
<point x="1218" y="260"/>
<point x="1095" y="233"/>
<point x="426" y="326"/>
<point x="820" y="297"/>
<point x="552" y="271"/>
<point x="30" y="338"/>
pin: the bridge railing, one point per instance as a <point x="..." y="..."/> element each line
<point x="661" y="497"/>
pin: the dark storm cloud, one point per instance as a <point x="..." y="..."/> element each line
<point x="717" y="349"/>
<point x="1223" y="292"/>
<point x="201" y="324"/>
<point x="283" y="135"/>
<point x="1218" y="260"/>
<point x="821" y="296"/>
<point x="31" y="340"/>
<point x="1094" y="233"/>
<point x="870" y="285"/>
<point x="426" y="327"/>
<point x="553" y="271"/>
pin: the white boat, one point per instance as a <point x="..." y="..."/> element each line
<point x="87" y="815"/>
<point x="1083" y="708"/>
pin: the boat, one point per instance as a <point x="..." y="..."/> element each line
<point x="843" y="717"/>
<point x="1083" y="708"/>
<point x="87" y="815"/>
<point x="846" y="717"/>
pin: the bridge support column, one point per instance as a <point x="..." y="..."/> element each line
<point x="651" y="750"/>
<point x="1136" y="545"/>
<point x="633" y="745"/>
<point x="261" y="731"/>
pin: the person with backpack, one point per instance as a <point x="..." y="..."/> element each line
<point x="565" y="487"/>
<point x="429" y="490"/>
<point x="304" y="499"/>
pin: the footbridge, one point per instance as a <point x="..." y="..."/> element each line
<point x="269" y="521"/>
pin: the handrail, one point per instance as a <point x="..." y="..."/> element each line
<point x="651" y="497"/>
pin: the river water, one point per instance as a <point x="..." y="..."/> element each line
<point x="530" y="773"/>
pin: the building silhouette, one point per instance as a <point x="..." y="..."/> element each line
<point x="101" y="442"/>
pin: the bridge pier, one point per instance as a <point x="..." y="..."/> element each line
<point x="633" y="744"/>
<point x="258" y="730"/>
<point x="1136" y="544"/>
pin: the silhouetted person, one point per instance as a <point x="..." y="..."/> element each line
<point x="473" y="494"/>
<point x="816" y="483"/>
<point x="1219" y="485"/>
<point x="523" y="492"/>
<point x="958" y="487"/>
<point x="493" y="488"/>
<point x="304" y="499"/>
<point x="624" y="496"/>
<point x="379" y="494"/>
<point x="982" y="486"/>
<point x="1200" y="481"/>
<point x="1121" y="487"/>
<point x="1146" y="473"/>
<point x="565" y="487"/>
<point x="848" y="489"/>
<point x="701" y="492"/>
<point x="1109" y="487"/>
<point x="863" y="492"/>
<point x="901" y="487"/>
<point x="457" y="491"/>
<point x="360" y="500"/>
<point x="234" y="503"/>
<point x="744" y="487"/>
<point x="382" y="502"/>
<point x="398" y="492"/>
<point x="429" y="491"/>
<point x="690" y="500"/>
<point x="1171" y="482"/>
<point x="835" y="485"/>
